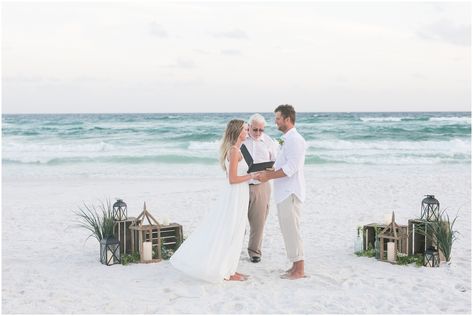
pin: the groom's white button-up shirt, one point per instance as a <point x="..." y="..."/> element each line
<point x="290" y="159"/>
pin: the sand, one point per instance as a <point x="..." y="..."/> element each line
<point x="48" y="267"/>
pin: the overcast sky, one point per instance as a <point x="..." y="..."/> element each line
<point x="60" y="57"/>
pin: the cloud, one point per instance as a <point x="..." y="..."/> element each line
<point x="181" y="63"/>
<point x="31" y="79"/>
<point x="230" y="52"/>
<point x="158" y="30"/>
<point x="202" y="51"/>
<point x="235" y="34"/>
<point x="447" y="31"/>
<point x="420" y="76"/>
<point x="185" y="63"/>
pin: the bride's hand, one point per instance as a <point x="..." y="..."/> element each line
<point x="257" y="175"/>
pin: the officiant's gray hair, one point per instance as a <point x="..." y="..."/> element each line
<point x="257" y="118"/>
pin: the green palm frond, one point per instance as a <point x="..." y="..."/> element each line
<point x="98" y="220"/>
<point x="441" y="232"/>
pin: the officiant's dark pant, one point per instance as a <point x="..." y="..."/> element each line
<point x="257" y="213"/>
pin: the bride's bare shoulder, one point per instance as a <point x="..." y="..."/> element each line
<point x="235" y="151"/>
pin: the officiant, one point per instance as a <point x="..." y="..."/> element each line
<point x="262" y="148"/>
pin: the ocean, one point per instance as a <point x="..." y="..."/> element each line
<point x="176" y="144"/>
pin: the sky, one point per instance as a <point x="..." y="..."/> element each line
<point x="176" y="56"/>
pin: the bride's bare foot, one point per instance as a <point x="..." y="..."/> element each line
<point x="241" y="274"/>
<point x="236" y="277"/>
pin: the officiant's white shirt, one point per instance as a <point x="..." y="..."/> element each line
<point x="261" y="150"/>
<point x="290" y="159"/>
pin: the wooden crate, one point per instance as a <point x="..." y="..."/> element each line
<point x="417" y="242"/>
<point x="121" y="231"/>
<point x="171" y="236"/>
<point x="369" y="233"/>
<point x="149" y="233"/>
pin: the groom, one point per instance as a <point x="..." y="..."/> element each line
<point x="289" y="187"/>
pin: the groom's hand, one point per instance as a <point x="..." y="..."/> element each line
<point x="263" y="176"/>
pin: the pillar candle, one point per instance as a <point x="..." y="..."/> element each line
<point x="391" y="252"/>
<point x="147" y="252"/>
<point x="165" y="221"/>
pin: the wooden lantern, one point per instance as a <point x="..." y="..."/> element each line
<point x="392" y="233"/>
<point x="148" y="231"/>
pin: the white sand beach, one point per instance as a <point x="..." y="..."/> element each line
<point x="47" y="267"/>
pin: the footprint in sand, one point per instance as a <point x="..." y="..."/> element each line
<point x="238" y="307"/>
<point x="460" y="288"/>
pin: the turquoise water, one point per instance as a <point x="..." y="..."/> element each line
<point x="84" y="140"/>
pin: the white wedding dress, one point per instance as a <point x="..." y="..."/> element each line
<point x="212" y="251"/>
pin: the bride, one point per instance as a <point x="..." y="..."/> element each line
<point x="212" y="251"/>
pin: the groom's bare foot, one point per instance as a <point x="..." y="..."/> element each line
<point x="296" y="272"/>
<point x="294" y="276"/>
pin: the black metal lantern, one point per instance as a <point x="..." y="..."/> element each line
<point x="110" y="251"/>
<point x="431" y="257"/>
<point x="119" y="210"/>
<point x="430" y="208"/>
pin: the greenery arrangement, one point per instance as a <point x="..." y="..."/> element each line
<point x="96" y="219"/>
<point x="441" y="233"/>
<point x="130" y="258"/>
<point x="358" y="230"/>
<point x="366" y="253"/>
<point x="403" y="259"/>
<point x="166" y="253"/>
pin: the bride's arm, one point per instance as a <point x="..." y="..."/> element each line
<point x="233" y="176"/>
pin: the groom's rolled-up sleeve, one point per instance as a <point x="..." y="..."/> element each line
<point x="295" y="152"/>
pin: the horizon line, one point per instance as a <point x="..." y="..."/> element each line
<point x="212" y="112"/>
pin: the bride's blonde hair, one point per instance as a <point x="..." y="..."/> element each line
<point x="230" y="137"/>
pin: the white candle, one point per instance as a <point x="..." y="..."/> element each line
<point x="147" y="253"/>
<point x="165" y="220"/>
<point x="388" y="218"/>
<point x="391" y="255"/>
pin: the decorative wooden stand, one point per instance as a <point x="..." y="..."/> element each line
<point x="146" y="232"/>
<point x="369" y="234"/>
<point x="392" y="233"/>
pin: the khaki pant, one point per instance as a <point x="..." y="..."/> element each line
<point x="289" y="213"/>
<point x="258" y="209"/>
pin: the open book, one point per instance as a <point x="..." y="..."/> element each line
<point x="254" y="167"/>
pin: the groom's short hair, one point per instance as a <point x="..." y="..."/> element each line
<point x="287" y="111"/>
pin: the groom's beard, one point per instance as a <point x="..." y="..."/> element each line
<point x="282" y="128"/>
